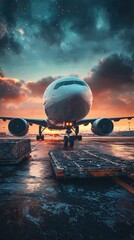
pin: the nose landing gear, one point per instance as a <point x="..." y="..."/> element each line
<point x="69" y="140"/>
<point x="77" y="137"/>
<point x="40" y="136"/>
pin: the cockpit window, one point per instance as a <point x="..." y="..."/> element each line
<point x="68" y="83"/>
<point x="65" y="83"/>
<point x="58" y="85"/>
<point x="79" y="83"/>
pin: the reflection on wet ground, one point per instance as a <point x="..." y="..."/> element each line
<point x="34" y="205"/>
<point x="118" y="148"/>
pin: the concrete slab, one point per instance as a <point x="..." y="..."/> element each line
<point x="35" y="205"/>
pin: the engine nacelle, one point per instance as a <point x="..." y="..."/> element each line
<point x="102" y="126"/>
<point x="18" y="127"/>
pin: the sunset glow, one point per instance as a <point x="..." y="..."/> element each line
<point x="40" y="42"/>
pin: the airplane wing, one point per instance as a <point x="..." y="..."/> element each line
<point x="86" y="121"/>
<point x="31" y="121"/>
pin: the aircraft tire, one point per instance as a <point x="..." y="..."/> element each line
<point x="75" y="137"/>
<point x="79" y="137"/>
<point x="42" y="137"/>
<point x="65" y="141"/>
<point x="37" y="137"/>
<point x="71" y="141"/>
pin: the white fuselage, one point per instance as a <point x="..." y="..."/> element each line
<point x="67" y="99"/>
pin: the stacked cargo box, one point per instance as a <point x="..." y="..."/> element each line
<point x="13" y="151"/>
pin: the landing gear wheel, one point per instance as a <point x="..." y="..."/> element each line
<point x="42" y="137"/>
<point x="71" y="140"/>
<point x="79" y="137"/>
<point x="66" y="140"/>
<point x="38" y="137"/>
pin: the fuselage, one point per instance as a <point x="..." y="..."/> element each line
<point x="67" y="99"/>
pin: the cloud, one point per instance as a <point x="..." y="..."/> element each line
<point x="37" y="88"/>
<point x="114" y="72"/>
<point x="92" y="20"/>
<point x="15" y="91"/>
<point x="12" y="90"/>
<point x="11" y="13"/>
<point x="51" y="33"/>
<point x="9" y="10"/>
<point x="70" y="32"/>
<point x="72" y="29"/>
<point x="8" y="42"/>
<point x="112" y="83"/>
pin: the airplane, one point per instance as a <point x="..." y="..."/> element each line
<point x="66" y="102"/>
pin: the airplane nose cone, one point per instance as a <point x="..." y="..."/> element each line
<point x="78" y="104"/>
<point x="79" y="94"/>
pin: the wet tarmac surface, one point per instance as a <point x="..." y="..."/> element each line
<point x="34" y="205"/>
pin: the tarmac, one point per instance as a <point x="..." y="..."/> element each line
<point x="35" y="205"/>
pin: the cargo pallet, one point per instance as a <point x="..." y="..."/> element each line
<point x="14" y="151"/>
<point x="88" y="164"/>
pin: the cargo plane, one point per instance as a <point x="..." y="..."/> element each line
<point x="66" y="102"/>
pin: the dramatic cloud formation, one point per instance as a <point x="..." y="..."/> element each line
<point x="17" y="91"/>
<point x="87" y="18"/>
<point x="57" y="37"/>
<point x="12" y="90"/>
<point x="66" y="27"/>
<point x="112" y="83"/>
<point x="7" y="24"/>
<point x="114" y="72"/>
<point x="37" y="88"/>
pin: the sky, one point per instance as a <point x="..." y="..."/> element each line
<point x="42" y="40"/>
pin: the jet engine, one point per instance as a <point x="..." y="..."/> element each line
<point x="102" y="126"/>
<point x="18" y="127"/>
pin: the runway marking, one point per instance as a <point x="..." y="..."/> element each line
<point x="124" y="185"/>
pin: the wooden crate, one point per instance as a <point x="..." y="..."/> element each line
<point x="13" y="151"/>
